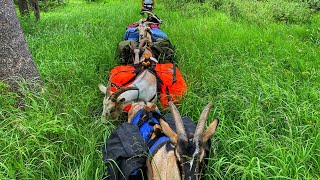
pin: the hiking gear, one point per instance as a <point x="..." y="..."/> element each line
<point x="131" y="34"/>
<point x="171" y="85"/>
<point x="147" y="121"/>
<point x="157" y="33"/>
<point x="124" y="51"/>
<point x="163" y="50"/>
<point x="125" y="150"/>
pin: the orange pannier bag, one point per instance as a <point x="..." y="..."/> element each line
<point x="173" y="87"/>
<point x="120" y="76"/>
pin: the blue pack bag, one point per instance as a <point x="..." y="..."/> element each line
<point x="133" y="34"/>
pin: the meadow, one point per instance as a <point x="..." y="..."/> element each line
<point x="257" y="62"/>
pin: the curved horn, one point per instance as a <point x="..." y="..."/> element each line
<point x="108" y="88"/>
<point x="148" y="12"/>
<point x="115" y="95"/>
<point x="202" y="121"/>
<point x="178" y="121"/>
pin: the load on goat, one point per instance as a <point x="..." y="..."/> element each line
<point x="158" y="147"/>
<point x="146" y="79"/>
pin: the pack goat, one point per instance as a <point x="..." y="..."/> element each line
<point x="144" y="87"/>
<point x="182" y="157"/>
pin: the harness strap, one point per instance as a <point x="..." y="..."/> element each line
<point x="168" y="94"/>
<point x="154" y="96"/>
<point x="154" y="140"/>
<point x="174" y="75"/>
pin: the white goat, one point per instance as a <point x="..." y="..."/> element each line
<point x="188" y="152"/>
<point x="143" y="88"/>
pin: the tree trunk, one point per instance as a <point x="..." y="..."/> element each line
<point x="34" y="4"/>
<point x="23" y="7"/>
<point x="16" y="62"/>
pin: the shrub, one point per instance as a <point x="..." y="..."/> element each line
<point x="265" y="11"/>
<point x="313" y="4"/>
<point x="290" y="12"/>
<point x="49" y="5"/>
<point x="196" y="9"/>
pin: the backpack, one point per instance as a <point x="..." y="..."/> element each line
<point x="173" y="85"/>
<point x="171" y="88"/>
<point x="163" y="50"/>
<point x="124" y="51"/>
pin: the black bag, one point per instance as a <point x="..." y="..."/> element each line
<point x="125" y="153"/>
<point x="163" y="50"/>
<point x="125" y="51"/>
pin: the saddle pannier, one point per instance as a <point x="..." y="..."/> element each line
<point x="163" y="50"/>
<point x="172" y="85"/>
<point x="124" y="51"/>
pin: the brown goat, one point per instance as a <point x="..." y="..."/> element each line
<point x="182" y="157"/>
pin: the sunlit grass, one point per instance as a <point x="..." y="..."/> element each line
<point x="262" y="78"/>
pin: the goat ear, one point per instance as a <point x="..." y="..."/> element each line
<point x="209" y="131"/>
<point x="103" y="89"/>
<point x="168" y="131"/>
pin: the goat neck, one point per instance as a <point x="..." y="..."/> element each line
<point x="163" y="164"/>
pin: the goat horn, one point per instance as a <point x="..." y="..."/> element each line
<point x="178" y="121"/>
<point x="108" y="88"/>
<point x="115" y="95"/>
<point x="202" y="120"/>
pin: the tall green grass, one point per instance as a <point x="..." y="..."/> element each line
<point x="263" y="78"/>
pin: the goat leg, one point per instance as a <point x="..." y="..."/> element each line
<point x="136" y="56"/>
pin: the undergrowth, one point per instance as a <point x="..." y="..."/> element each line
<point x="261" y="75"/>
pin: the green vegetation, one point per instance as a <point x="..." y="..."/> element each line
<point x="261" y="73"/>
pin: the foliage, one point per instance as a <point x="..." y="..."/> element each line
<point x="263" y="79"/>
<point x="49" y="5"/>
<point x="313" y="4"/>
<point x="259" y="12"/>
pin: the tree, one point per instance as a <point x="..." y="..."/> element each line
<point x="24" y="8"/>
<point x="16" y="63"/>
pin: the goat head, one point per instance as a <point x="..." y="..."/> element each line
<point x="189" y="151"/>
<point x="112" y="104"/>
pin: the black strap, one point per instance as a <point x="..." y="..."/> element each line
<point x="154" y="96"/>
<point x="174" y="75"/>
<point x="158" y="136"/>
<point x="148" y="117"/>
<point x="137" y="71"/>
<point x="168" y="94"/>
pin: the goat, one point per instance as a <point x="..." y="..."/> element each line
<point x="182" y="157"/>
<point x="144" y="88"/>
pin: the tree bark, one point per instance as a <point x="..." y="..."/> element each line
<point x="16" y="63"/>
<point x="23" y="7"/>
